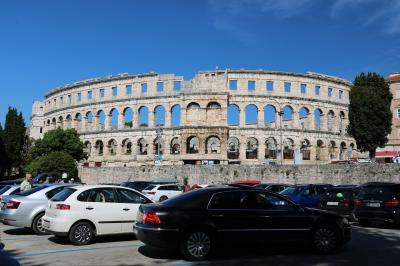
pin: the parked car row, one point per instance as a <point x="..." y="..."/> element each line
<point x="197" y="222"/>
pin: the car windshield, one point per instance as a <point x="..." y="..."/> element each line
<point x="63" y="195"/>
<point x="150" y="187"/>
<point x="31" y="191"/>
<point x="262" y="186"/>
<point x="4" y="189"/>
<point x="293" y="190"/>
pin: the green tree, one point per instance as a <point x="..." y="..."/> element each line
<point x="54" y="164"/>
<point x="14" y="139"/>
<point x="3" y="154"/>
<point x="369" y="112"/>
<point x="59" y="140"/>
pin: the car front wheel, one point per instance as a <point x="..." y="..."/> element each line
<point x="162" y="198"/>
<point x="37" y="225"/>
<point x="81" y="233"/>
<point x="196" y="245"/>
<point x="325" y="240"/>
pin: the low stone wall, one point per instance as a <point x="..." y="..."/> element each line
<point x="203" y="174"/>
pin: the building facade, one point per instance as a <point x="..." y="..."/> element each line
<point x="218" y="117"/>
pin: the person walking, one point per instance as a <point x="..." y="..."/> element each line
<point x="186" y="186"/>
<point x="26" y="184"/>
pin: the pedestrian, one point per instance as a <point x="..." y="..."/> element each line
<point x="186" y="186"/>
<point x="26" y="184"/>
<point x="48" y="178"/>
<point x="63" y="178"/>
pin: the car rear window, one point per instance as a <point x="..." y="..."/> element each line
<point x="63" y="195"/>
<point x="151" y="187"/>
<point x="31" y="191"/>
<point x="376" y="193"/>
<point x="293" y="190"/>
<point x="4" y="189"/>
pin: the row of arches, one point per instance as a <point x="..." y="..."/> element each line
<point x="212" y="145"/>
<point x="306" y="118"/>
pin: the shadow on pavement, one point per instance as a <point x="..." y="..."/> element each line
<point x="99" y="239"/>
<point x="368" y="247"/>
<point x="7" y="259"/>
<point x="19" y="231"/>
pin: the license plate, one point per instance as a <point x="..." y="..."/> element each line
<point x="373" y="204"/>
<point x="332" y="203"/>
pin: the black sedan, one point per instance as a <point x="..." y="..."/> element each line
<point x="197" y="221"/>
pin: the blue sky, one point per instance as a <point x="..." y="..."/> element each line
<point x="45" y="44"/>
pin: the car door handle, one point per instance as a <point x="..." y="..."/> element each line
<point x="218" y="215"/>
<point x="89" y="208"/>
<point x="265" y="216"/>
<point x="125" y="209"/>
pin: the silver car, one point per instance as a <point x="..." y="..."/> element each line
<point x="25" y="209"/>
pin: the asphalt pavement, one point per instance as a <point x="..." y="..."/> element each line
<point x="369" y="246"/>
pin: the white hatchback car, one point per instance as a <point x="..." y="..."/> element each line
<point x="162" y="192"/>
<point x="83" y="212"/>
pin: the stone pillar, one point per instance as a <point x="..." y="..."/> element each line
<point x="324" y="122"/>
<point x="260" y="116"/>
<point x="168" y="117"/>
<point x="121" y="120"/>
<point x="151" y="118"/>
<point x="296" y="119"/>
<point x="135" y="117"/>
<point x="108" y="122"/>
<point x="95" y="123"/>
<point x="261" y="150"/>
<point x="310" y="121"/>
<point x="242" y="116"/>
<point x="242" y="149"/>
<point x="84" y="127"/>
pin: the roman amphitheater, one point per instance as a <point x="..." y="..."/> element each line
<point x="218" y="117"/>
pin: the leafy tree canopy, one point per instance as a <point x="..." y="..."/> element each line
<point x="370" y="116"/>
<point x="59" y="140"/>
<point x="54" y="164"/>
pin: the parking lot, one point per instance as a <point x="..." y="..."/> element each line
<point x="369" y="246"/>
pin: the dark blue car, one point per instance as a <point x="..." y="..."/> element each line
<point x="306" y="195"/>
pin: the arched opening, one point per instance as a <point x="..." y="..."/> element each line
<point x="142" y="146"/>
<point x="192" y="145"/>
<point x="87" y="148"/>
<point x="233" y="115"/>
<point x="318" y="150"/>
<point x="112" y="147"/>
<point x="175" y="146"/>
<point x="351" y="148"/>
<point x="213" y="145"/>
<point x="193" y="105"/>
<point x="68" y="120"/>
<point x="341" y="122"/>
<point x="114" y="118"/>
<point x="329" y="120"/>
<point x="158" y="148"/>
<point x="89" y="118"/>
<point x="61" y="122"/>
<point x="143" y="116"/>
<point x="127" y="146"/>
<point x="128" y="117"/>
<point x="271" y="148"/>
<point x="251" y="148"/>
<point x="288" y="149"/>
<point x="317" y="119"/>
<point x="342" y="151"/>
<point x="331" y="150"/>
<point x="233" y="148"/>
<point x="214" y="105"/>
<point x="159" y="112"/>
<point x="54" y="122"/>
<point x="102" y="119"/>
<point x="287" y="113"/>
<point x="303" y="116"/>
<point x="251" y="112"/>
<point x="305" y="149"/>
<point x="270" y="116"/>
<point x="176" y="115"/>
<point x="99" y="147"/>
<point x="78" y="121"/>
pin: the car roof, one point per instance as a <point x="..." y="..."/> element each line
<point x="383" y="184"/>
<point x="84" y="187"/>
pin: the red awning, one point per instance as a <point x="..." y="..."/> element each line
<point x="248" y="182"/>
<point x="387" y="154"/>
